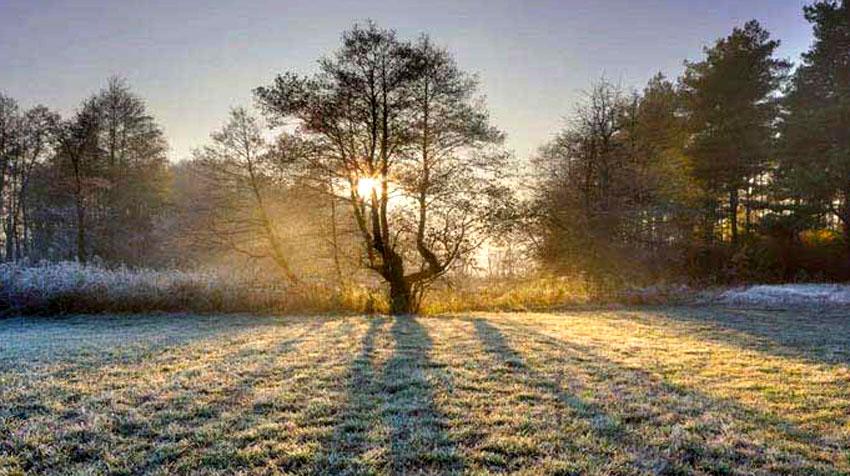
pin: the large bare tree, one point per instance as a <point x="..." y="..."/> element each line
<point x="399" y="127"/>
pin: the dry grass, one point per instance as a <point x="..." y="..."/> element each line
<point x="72" y="288"/>
<point x="518" y="294"/>
<point x="652" y="391"/>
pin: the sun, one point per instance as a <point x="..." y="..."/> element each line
<point x="365" y="186"/>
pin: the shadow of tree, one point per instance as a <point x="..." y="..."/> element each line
<point x="592" y="417"/>
<point x="419" y="440"/>
<point x="809" y="335"/>
<point x="389" y="422"/>
<point x="226" y="399"/>
<point x="702" y="433"/>
<point x="348" y="451"/>
<point x="216" y="391"/>
<point x="86" y="344"/>
<point x="372" y="397"/>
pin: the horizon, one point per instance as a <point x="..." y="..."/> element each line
<point x="191" y="68"/>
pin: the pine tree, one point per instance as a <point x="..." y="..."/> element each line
<point x="732" y="109"/>
<point x="815" y="164"/>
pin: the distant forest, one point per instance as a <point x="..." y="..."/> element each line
<point x="383" y="165"/>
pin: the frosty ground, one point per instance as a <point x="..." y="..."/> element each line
<point x="652" y="390"/>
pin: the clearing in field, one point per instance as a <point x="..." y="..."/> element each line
<point x="672" y="390"/>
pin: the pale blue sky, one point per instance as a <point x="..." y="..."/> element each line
<point x="192" y="60"/>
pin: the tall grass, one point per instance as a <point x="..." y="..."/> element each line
<point x="548" y="292"/>
<point x="70" y="287"/>
<point x="520" y="294"/>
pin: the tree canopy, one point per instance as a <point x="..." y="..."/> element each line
<point x="403" y="119"/>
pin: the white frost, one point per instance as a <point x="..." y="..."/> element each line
<point x="789" y="294"/>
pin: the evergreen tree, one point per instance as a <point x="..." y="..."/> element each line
<point x="732" y="109"/>
<point x="815" y="161"/>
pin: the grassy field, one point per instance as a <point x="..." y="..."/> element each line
<point x="644" y="391"/>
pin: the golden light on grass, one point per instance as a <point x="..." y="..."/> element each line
<point x="655" y="391"/>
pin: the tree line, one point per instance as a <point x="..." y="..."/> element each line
<point x="737" y="170"/>
<point x="384" y="166"/>
<point x="92" y="185"/>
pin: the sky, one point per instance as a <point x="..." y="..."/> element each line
<point x="193" y="60"/>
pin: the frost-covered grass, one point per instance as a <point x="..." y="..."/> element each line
<point x="70" y="287"/>
<point x="789" y="294"/>
<point x="651" y="391"/>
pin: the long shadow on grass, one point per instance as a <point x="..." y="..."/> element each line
<point x="350" y="442"/>
<point x="222" y="401"/>
<point x="599" y="423"/>
<point x="149" y="413"/>
<point x="813" y="336"/>
<point x="390" y="422"/>
<point x="419" y="441"/>
<point x="703" y="443"/>
<point x="76" y="345"/>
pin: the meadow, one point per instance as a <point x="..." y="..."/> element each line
<point x="672" y="390"/>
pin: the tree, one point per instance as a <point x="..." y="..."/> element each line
<point x="36" y="141"/>
<point x="78" y="160"/>
<point x="815" y="161"/>
<point x="111" y="164"/>
<point x="9" y="141"/>
<point x="243" y="173"/>
<point x="135" y="175"/>
<point x="26" y="140"/>
<point x="614" y="188"/>
<point x="399" y="126"/>
<point x="664" y="192"/>
<point x="582" y="184"/>
<point x="732" y="108"/>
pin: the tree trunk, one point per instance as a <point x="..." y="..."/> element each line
<point x="748" y="209"/>
<point x="280" y="258"/>
<point x="11" y="228"/>
<point x="81" y="216"/>
<point x="334" y="240"/>
<point x="25" y="224"/>
<point x="10" y="232"/>
<point x="844" y="216"/>
<point x="733" y="215"/>
<point x="81" y="232"/>
<point x="709" y="222"/>
<point x="278" y="254"/>
<point x="401" y="297"/>
<point x="845" y="227"/>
